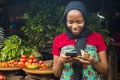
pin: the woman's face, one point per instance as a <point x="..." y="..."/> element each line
<point x="75" y="21"/>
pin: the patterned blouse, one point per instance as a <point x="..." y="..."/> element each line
<point x="88" y="71"/>
<point x="94" y="44"/>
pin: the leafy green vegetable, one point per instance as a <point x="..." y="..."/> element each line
<point x="13" y="48"/>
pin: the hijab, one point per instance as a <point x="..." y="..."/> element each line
<point x="78" y="5"/>
<point x="81" y="37"/>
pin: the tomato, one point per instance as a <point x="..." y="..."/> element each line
<point x="2" y="77"/>
<point x="34" y="60"/>
<point x="30" y="60"/>
<point x="13" y="65"/>
<point x="41" y="62"/>
<point x="16" y="63"/>
<point x="22" y="60"/>
<point x="3" y="65"/>
<point x="6" y="65"/>
<point x="9" y="65"/>
<point x="26" y="60"/>
<point x="24" y="56"/>
<point x="8" y="62"/>
<point x="26" y="63"/>
<point x="32" y="56"/>
<point x="43" y="65"/>
<point x="21" y="64"/>
<point x="34" y="63"/>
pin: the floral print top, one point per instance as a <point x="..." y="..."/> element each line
<point x="89" y="73"/>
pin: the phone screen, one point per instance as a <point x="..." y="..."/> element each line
<point x="74" y="54"/>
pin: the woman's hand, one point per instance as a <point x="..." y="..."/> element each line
<point x="64" y="59"/>
<point x="87" y="59"/>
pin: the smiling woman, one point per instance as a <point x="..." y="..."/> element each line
<point x="75" y="21"/>
<point x="78" y="36"/>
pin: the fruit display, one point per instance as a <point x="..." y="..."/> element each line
<point x="10" y="63"/>
<point x="25" y="62"/>
<point x="32" y="66"/>
<point x="22" y="62"/>
<point x="32" y="63"/>
<point x="42" y="65"/>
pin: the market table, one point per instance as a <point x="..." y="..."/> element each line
<point x="11" y="73"/>
<point x="39" y="74"/>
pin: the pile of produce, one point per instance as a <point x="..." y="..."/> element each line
<point x="14" y="47"/>
<point x="10" y="63"/>
<point x="27" y="62"/>
<point x="32" y="63"/>
<point x="18" y="53"/>
<point x="11" y="46"/>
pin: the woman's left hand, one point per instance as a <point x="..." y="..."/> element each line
<point x="87" y="59"/>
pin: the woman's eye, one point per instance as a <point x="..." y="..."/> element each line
<point x="70" y="22"/>
<point x="79" y="22"/>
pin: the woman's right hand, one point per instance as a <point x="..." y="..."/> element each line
<point x="64" y="59"/>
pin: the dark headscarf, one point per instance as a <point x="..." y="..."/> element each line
<point x="81" y="37"/>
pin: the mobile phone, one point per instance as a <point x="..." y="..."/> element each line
<point x="71" y="54"/>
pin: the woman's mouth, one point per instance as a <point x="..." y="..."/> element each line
<point x="76" y="32"/>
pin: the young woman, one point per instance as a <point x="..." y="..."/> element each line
<point x="77" y="37"/>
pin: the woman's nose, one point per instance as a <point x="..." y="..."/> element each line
<point x="75" y="25"/>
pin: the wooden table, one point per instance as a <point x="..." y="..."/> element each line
<point x="11" y="73"/>
<point x="39" y="74"/>
<point x="8" y="70"/>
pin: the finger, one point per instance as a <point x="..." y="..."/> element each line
<point x="63" y="55"/>
<point x="76" y="58"/>
<point x="84" y="58"/>
<point x="84" y="61"/>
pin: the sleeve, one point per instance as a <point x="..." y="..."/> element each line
<point x="56" y="48"/>
<point x="101" y="45"/>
